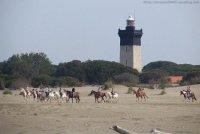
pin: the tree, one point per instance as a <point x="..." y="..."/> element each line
<point x="126" y="79"/>
<point x="71" y="69"/>
<point x="191" y="78"/>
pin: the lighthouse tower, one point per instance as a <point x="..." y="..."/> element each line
<point x="130" y="45"/>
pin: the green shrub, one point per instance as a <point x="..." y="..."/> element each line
<point x="130" y="90"/>
<point x="108" y="85"/>
<point x="163" y="92"/>
<point x="7" y="92"/>
<point x="71" y="81"/>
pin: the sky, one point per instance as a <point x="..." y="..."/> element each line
<point x="67" y="30"/>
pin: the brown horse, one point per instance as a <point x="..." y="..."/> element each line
<point x="140" y="94"/>
<point x="72" y="95"/>
<point x="188" y="96"/>
<point x="97" y="95"/>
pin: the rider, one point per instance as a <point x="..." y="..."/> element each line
<point x="60" y="92"/>
<point x="47" y="91"/>
<point x="27" y="89"/>
<point x="112" y="92"/>
<point x="189" y="91"/>
<point x="73" y="91"/>
<point x="99" y="89"/>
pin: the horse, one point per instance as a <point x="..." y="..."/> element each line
<point x="112" y="97"/>
<point x="188" y="96"/>
<point x="140" y="94"/>
<point x="34" y="93"/>
<point x="60" y="95"/>
<point x="72" y="95"/>
<point x="26" y="93"/>
<point x="97" y="95"/>
<point x="184" y="93"/>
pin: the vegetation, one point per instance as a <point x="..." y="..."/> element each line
<point x="190" y="73"/>
<point x="130" y="90"/>
<point x="163" y="92"/>
<point x="108" y="85"/>
<point x="7" y="92"/>
<point x="35" y="69"/>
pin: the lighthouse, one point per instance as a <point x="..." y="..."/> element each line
<point x="130" y="45"/>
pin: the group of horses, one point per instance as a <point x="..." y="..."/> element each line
<point x="110" y="96"/>
<point x="66" y="95"/>
<point x="49" y="95"/>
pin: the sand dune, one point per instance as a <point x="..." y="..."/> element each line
<point x="168" y="113"/>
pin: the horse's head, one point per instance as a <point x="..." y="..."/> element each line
<point x="104" y="94"/>
<point x="92" y="92"/>
<point x="181" y="92"/>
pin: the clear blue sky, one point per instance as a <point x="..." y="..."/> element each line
<point x="66" y="30"/>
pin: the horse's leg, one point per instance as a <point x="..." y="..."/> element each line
<point x="78" y="99"/>
<point x="98" y="99"/>
<point x="137" y="98"/>
<point x="68" y="99"/>
<point x="102" y="99"/>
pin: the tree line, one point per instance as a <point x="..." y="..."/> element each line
<point x="35" y="69"/>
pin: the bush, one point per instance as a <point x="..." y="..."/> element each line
<point x="130" y="90"/>
<point x="126" y="79"/>
<point x="71" y="81"/>
<point x="163" y="92"/>
<point x="7" y="92"/>
<point x="108" y="85"/>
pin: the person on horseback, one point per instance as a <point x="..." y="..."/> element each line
<point x="27" y="89"/>
<point x="73" y="91"/>
<point x="46" y="91"/>
<point x="60" y="92"/>
<point x="188" y="91"/>
<point x="112" y="92"/>
<point x="99" y="89"/>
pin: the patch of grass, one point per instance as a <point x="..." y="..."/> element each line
<point x="7" y="92"/>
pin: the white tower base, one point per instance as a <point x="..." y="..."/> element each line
<point x="130" y="55"/>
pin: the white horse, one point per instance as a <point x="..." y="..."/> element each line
<point x="60" y="97"/>
<point x="51" y="96"/>
<point x="112" y="98"/>
<point x="26" y="93"/>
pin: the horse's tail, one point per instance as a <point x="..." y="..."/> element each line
<point x="194" y="96"/>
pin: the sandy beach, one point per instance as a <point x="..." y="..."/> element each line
<point x="168" y="113"/>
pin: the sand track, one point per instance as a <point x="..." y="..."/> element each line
<point x="169" y="113"/>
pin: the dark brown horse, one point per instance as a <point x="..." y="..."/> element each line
<point x="72" y="95"/>
<point x="98" y="95"/>
<point x="188" y="96"/>
<point x="140" y="94"/>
